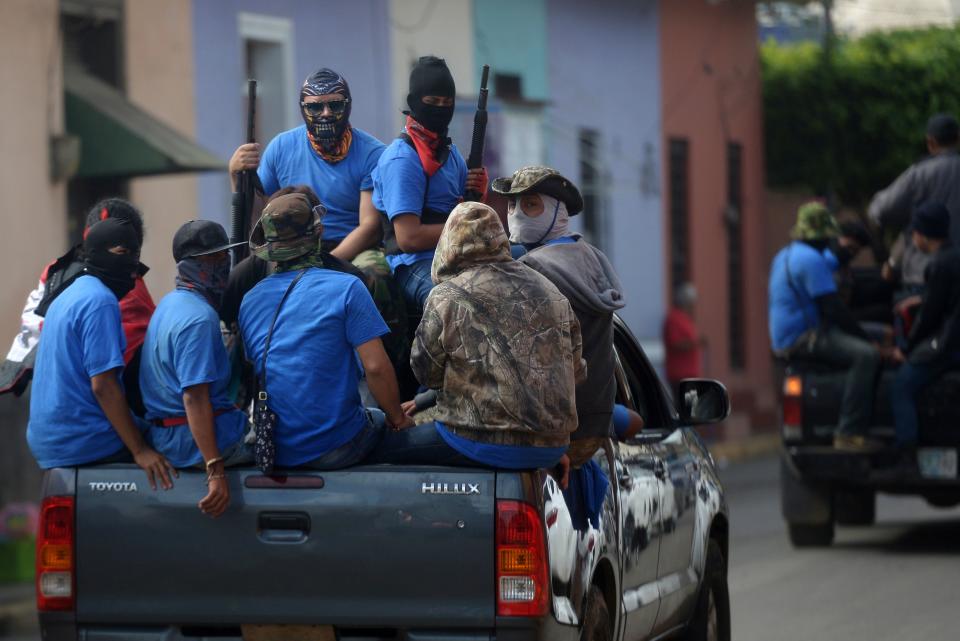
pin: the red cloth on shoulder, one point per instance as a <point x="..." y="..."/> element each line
<point x="426" y="143"/>
<point x="136" y="308"/>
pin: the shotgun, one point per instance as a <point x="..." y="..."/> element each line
<point x="475" y="159"/>
<point x="247" y="183"/>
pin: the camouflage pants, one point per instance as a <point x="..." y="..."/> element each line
<point x="386" y="294"/>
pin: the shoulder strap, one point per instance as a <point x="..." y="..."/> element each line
<point x="266" y="347"/>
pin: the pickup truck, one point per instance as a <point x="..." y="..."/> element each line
<point x="395" y="552"/>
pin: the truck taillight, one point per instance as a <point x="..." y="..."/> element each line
<point x="522" y="586"/>
<point x="55" y="554"/>
<point x="792" y="423"/>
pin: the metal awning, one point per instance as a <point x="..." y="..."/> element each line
<point x="118" y="138"/>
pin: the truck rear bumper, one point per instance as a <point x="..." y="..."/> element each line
<point x="823" y="464"/>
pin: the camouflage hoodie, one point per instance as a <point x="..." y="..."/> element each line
<point x="497" y="339"/>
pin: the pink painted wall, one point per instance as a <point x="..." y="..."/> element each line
<point x="710" y="83"/>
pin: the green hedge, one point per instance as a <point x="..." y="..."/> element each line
<point x="851" y="125"/>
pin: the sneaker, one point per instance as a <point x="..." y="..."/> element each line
<point x="856" y="443"/>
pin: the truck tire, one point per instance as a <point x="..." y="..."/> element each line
<point x="855" y="507"/>
<point x="711" y="618"/>
<point x="596" y="617"/>
<point x="803" y="535"/>
<point x="942" y="500"/>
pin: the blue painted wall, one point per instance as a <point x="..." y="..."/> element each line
<point x="604" y="74"/>
<point x="511" y="37"/>
<point x="350" y="37"/>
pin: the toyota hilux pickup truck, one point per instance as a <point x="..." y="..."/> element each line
<point x="390" y="552"/>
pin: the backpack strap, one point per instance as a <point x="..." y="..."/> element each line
<point x="266" y="347"/>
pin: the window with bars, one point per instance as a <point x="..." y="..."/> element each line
<point x="679" y="168"/>
<point x="735" y="293"/>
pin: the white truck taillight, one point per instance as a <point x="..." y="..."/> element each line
<point x="55" y="555"/>
<point x="792" y="419"/>
<point x="522" y="587"/>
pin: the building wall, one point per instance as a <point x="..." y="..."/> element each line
<point x="711" y="90"/>
<point x="511" y="37"/>
<point x="856" y="17"/>
<point x="32" y="211"/>
<point x="427" y="27"/>
<point x="351" y="37"/>
<point x="604" y="74"/>
<point x="158" y="45"/>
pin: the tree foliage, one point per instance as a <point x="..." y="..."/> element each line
<point x="849" y="125"/>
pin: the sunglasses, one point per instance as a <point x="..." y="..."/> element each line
<point x="317" y="108"/>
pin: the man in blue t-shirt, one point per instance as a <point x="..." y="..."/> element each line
<point x="420" y="178"/>
<point x="78" y="411"/>
<point x="326" y="329"/>
<point x="184" y="368"/>
<point x="336" y="160"/>
<point x="808" y="318"/>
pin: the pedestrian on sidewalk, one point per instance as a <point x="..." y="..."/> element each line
<point x="682" y="340"/>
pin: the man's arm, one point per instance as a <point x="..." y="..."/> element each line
<point x="199" y="409"/>
<point x="891" y="206"/>
<point x="833" y="310"/>
<point x="428" y="360"/>
<point x="933" y="311"/>
<point x="576" y="339"/>
<point x="106" y="388"/>
<point x="382" y="381"/>
<point x="413" y="236"/>
<point x="367" y="233"/>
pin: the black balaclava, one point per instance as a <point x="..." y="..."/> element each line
<point x="327" y="131"/>
<point x="116" y="271"/>
<point x="431" y="77"/>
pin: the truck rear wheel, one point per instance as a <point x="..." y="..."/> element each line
<point x="804" y="535"/>
<point x="596" y="617"/>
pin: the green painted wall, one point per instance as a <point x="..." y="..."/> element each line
<point x="511" y="37"/>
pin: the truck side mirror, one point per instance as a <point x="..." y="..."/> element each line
<point x="702" y="401"/>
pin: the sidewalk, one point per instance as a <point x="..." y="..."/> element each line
<point x="17" y="608"/>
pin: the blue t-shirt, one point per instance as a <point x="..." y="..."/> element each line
<point x="312" y="367"/>
<point x="399" y="182"/>
<point x="82" y="337"/>
<point x="290" y="160"/>
<point x="184" y="347"/>
<point x="792" y="310"/>
<point x="621" y="419"/>
<point x="511" y="457"/>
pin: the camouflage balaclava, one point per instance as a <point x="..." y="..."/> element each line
<point x="473" y="235"/>
<point x="289" y="232"/>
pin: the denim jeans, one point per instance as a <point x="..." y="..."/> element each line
<point x="419" y="445"/>
<point x="415" y="282"/>
<point x="862" y="362"/>
<point x="910" y="381"/>
<point x="357" y="449"/>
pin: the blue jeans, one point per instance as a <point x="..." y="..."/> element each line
<point x="421" y="445"/>
<point x="415" y="282"/>
<point x="357" y="449"/>
<point x="910" y="381"/>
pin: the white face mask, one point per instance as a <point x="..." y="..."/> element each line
<point x="551" y="224"/>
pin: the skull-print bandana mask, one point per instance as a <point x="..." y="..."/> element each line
<point x="329" y="135"/>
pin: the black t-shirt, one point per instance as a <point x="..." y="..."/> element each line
<point x="251" y="270"/>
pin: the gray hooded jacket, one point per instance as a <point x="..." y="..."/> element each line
<point x="585" y="276"/>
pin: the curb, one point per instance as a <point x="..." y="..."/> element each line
<point x="745" y="449"/>
<point x="17" y="608"/>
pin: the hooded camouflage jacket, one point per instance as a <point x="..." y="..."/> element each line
<point x="497" y="339"/>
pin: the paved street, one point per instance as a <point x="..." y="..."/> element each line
<point x="896" y="580"/>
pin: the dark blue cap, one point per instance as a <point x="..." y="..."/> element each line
<point x="932" y="220"/>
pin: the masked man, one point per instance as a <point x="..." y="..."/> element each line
<point x="502" y="346"/>
<point x="78" y="412"/>
<point x="420" y="178"/>
<point x="541" y="202"/>
<point x="185" y="370"/>
<point x="335" y="159"/>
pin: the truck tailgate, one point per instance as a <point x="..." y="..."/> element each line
<point x="378" y="545"/>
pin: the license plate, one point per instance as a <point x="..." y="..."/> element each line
<point x="937" y="462"/>
<point x="257" y="632"/>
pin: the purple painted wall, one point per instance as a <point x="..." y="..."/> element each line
<point x="350" y="37"/>
<point x="604" y="67"/>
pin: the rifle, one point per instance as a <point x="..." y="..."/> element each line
<point x="247" y="183"/>
<point x="475" y="159"/>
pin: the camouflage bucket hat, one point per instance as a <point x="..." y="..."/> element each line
<point x="288" y="229"/>
<point x="815" y="222"/>
<point x="541" y="180"/>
